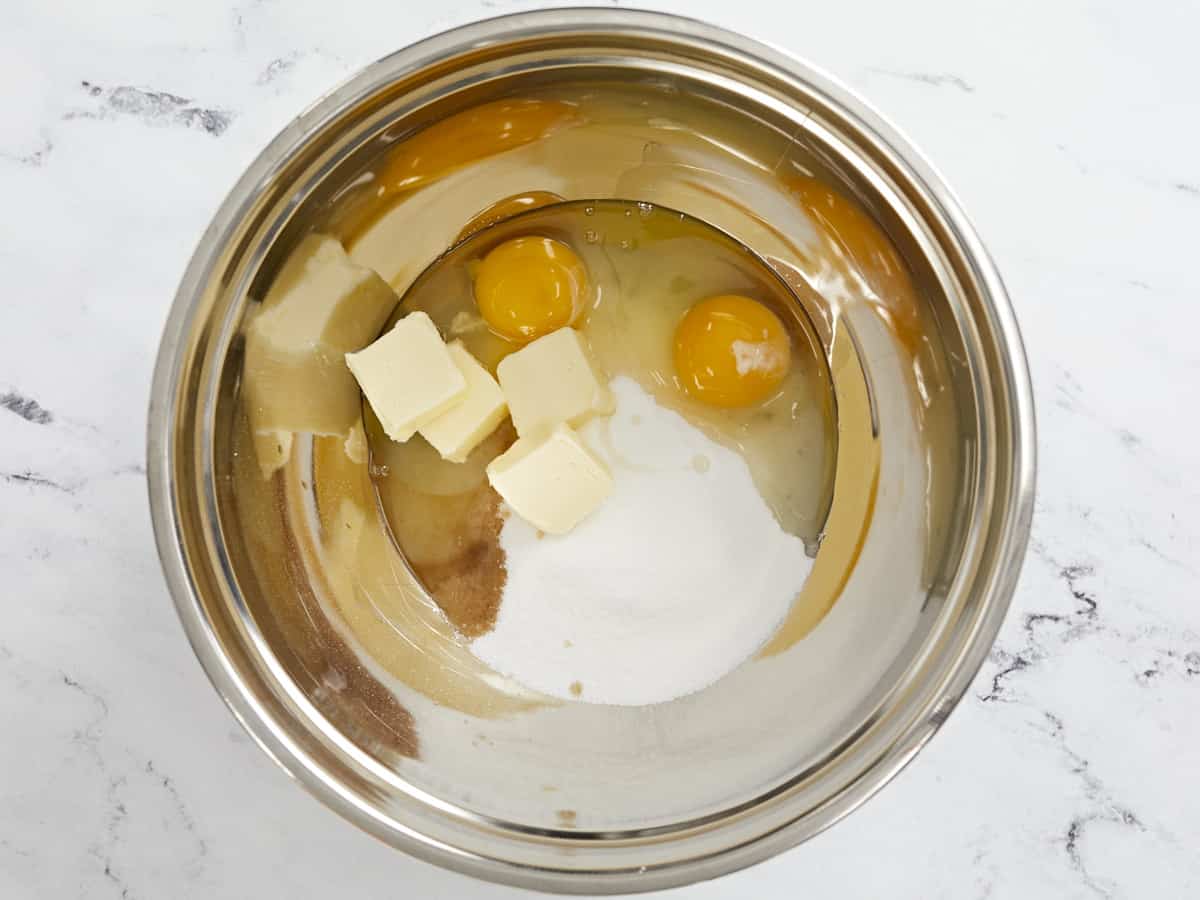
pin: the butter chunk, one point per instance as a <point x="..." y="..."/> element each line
<point x="551" y="480"/>
<point x="409" y="376"/>
<point x="456" y="432"/>
<point x="552" y="380"/>
<point x="320" y="307"/>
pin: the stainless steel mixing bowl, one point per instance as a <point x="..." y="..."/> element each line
<point x="584" y="798"/>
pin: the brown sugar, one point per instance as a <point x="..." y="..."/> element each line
<point x="468" y="586"/>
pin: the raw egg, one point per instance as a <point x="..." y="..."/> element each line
<point x="529" y="286"/>
<point x="731" y="351"/>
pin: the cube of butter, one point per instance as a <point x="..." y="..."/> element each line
<point x="552" y="380"/>
<point x="551" y="480"/>
<point x="320" y="307"/>
<point x="456" y="432"/>
<point x="409" y="376"/>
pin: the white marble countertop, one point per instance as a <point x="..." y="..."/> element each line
<point x="1070" y="131"/>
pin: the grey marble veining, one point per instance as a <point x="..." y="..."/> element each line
<point x="1069" y="131"/>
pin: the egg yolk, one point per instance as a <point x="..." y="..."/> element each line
<point x="470" y="135"/>
<point x="731" y="351"/>
<point x="529" y="286"/>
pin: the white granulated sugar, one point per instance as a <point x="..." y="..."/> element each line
<point x="680" y="576"/>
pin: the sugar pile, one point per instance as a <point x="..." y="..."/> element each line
<point x="680" y="576"/>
